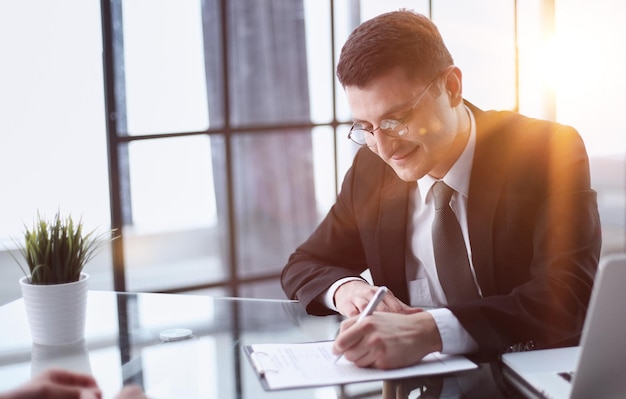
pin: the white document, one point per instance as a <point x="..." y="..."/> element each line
<point x="284" y="366"/>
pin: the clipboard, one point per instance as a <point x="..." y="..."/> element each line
<point x="258" y="362"/>
<point x="312" y="364"/>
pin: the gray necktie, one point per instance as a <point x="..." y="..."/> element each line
<point x="451" y="258"/>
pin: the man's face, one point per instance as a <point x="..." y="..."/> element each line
<point x="436" y="136"/>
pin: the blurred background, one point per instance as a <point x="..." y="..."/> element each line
<point x="212" y="134"/>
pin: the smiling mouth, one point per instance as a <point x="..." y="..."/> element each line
<point x="403" y="156"/>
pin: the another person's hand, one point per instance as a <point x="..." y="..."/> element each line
<point x="64" y="384"/>
<point x="388" y="340"/>
<point x="352" y="297"/>
<point x="131" y="392"/>
<point x="57" y="383"/>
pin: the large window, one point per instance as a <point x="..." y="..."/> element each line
<point x="225" y="125"/>
<point x="52" y="131"/>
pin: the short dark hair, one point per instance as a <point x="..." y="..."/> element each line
<point x="402" y="39"/>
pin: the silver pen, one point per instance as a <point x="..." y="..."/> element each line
<point x="369" y="309"/>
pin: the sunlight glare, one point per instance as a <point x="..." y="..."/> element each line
<point x="566" y="60"/>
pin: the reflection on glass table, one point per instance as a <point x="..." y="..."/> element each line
<point x="175" y="346"/>
<point x="186" y="346"/>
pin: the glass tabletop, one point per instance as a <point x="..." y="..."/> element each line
<point x="188" y="346"/>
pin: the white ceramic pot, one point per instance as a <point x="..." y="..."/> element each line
<point x="72" y="357"/>
<point x="56" y="313"/>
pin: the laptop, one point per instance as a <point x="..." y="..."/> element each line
<point x="595" y="369"/>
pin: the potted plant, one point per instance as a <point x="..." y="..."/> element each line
<point x="54" y="285"/>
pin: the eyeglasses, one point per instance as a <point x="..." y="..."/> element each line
<point x="363" y="136"/>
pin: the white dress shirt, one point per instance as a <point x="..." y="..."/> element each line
<point x="424" y="287"/>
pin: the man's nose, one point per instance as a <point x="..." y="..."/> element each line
<point x="383" y="141"/>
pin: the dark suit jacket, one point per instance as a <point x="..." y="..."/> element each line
<point x="533" y="225"/>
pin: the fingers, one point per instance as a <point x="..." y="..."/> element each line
<point x="392" y="304"/>
<point x="89" y="393"/>
<point x="365" y="356"/>
<point x="61" y="384"/>
<point x="388" y="340"/>
<point x="352" y="297"/>
<point x="348" y="337"/>
<point x="64" y="384"/>
<point x="357" y="342"/>
<point x="131" y="392"/>
<point x="66" y="377"/>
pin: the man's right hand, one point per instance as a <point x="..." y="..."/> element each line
<point x="352" y="297"/>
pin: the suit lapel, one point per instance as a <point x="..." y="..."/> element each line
<point x="486" y="185"/>
<point x="392" y="234"/>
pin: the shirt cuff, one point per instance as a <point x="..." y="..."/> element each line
<point x="455" y="340"/>
<point x="330" y="293"/>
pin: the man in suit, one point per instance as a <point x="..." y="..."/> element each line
<point x="521" y="196"/>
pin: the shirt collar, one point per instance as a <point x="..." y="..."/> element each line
<point x="459" y="174"/>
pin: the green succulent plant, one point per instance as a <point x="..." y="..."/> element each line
<point x="57" y="250"/>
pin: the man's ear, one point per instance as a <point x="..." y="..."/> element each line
<point x="454" y="85"/>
